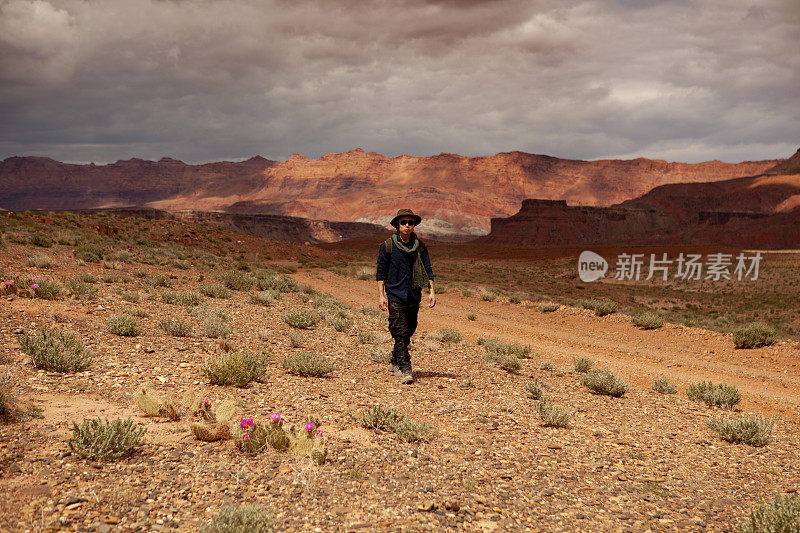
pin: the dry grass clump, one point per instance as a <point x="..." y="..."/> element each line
<point x="182" y="298"/>
<point x="781" y="515"/>
<point x="496" y="349"/>
<point x="487" y="296"/>
<point x="546" y="365"/>
<point x="263" y="298"/>
<point x="507" y="362"/>
<point x="753" y="430"/>
<point x="302" y="319"/>
<point x="56" y="350"/>
<point x="370" y="310"/>
<point x="216" y="327"/>
<point x="216" y="290"/>
<point x="366" y="336"/>
<point x="582" y="364"/>
<point x="724" y="396"/>
<point x="237" y="368"/>
<point x="380" y="355"/>
<point x="554" y="415"/>
<point x="446" y="335"/>
<point x="81" y="289"/>
<point x="104" y="440"/>
<point x="9" y="412"/>
<point x="176" y="327"/>
<point x="536" y="388"/>
<point x="339" y="323"/>
<point x="124" y="326"/>
<point x="755" y="335"/>
<point x="277" y="283"/>
<point x="515" y="299"/>
<point x="663" y="386"/>
<point x="132" y="297"/>
<point x="548" y="307"/>
<point x="307" y="364"/>
<point x="600" y="307"/>
<point x="647" y="320"/>
<point x="40" y="260"/>
<point x="296" y="339"/>
<point x="604" y="382"/>
<point x="391" y="420"/>
<point x="244" y="518"/>
<point x="46" y="289"/>
<point x="37" y="239"/>
<point x="155" y="281"/>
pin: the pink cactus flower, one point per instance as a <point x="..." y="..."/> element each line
<point x="73" y="251"/>
<point x="33" y="278"/>
<point x="309" y="426"/>
<point x="276" y="417"/>
<point x="206" y="402"/>
<point x="245" y="437"/>
<point x="7" y="283"/>
<point x="319" y="432"/>
<point x="35" y="286"/>
<point x="246" y="423"/>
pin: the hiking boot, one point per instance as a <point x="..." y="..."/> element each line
<point x="396" y="370"/>
<point x="406" y="376"/>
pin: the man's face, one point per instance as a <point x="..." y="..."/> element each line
<point x="405" y="225"/>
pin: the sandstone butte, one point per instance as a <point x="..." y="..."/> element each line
<point x="758" y="211"/>
<point x="457" y="195"/>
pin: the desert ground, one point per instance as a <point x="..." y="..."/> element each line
<point x="642" y="461"/>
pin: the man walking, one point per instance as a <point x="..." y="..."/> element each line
<point x="404" y="267"/>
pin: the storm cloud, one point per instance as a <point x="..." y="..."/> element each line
<point x="86" y="80"/>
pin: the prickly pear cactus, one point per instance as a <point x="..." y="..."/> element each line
<point x="319" y="452"/>
<point x="252" y="438"/>
<point x="168" y="410"/>
<point x="148" y="401"/>
<point x="192" y="402"/>
<point x="225" y="411"/>
<point x="278" y="439"/>
<point x="210" y="432"/>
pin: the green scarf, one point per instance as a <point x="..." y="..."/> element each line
<point x="420" y="279"/>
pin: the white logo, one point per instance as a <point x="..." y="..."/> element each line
<point x="591" y="266"/>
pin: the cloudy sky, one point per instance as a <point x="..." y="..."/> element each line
<point x="682" y="80"/>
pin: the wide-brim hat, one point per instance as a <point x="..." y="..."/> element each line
<point x="405" y="213"/>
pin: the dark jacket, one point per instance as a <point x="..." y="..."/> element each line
<point x="397" y="272"/>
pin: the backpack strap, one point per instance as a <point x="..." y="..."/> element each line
<point x="389" y="246"/>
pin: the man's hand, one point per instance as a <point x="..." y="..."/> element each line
<point x="383" y="303"/>
<point x="431" y="299"/>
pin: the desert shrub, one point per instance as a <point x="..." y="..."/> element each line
<point x="548" y="307"/>
<point x="307" y="364"/>
<point x="370" y="310"/>
<point x="536" y="388"/>
<point x="472" y="317"/>
<point x="724" y="396"/>
<point x="546" y="365"/>
<point x="176" y="327"/>
<point x="647" y="320"/>
<point x="181" y="265"/>
<point x="277" y="283"/>
<point x="91" y="253"/>
<point x="604" y="382"/>
<point x="380" y="417"/>
<point x="753" y="430"/>
<point x="755" y="335"/>
<point x="85" y="277"/>
<point x="781" y="515"/>
<point x="263" y="298"/>
<point x="515" y="299"/>
<point x="236" y="280"/>
<point x="380" y="355"/>
<point x="303" y="319"/>
<point x="216" y="290"/>
<point x="449" y="335"/>
<point x="495" y="348"/>
<point x="582" y="364"/>
<point x="156" y="280"/>
<point x="124" y="325"/>
<point x="466" y="293"/>
<point x="296" y="339"/>
<point x="507" y="362"/>
<point x="237" y="368"/>
<point x="17" y="238"/>
<point x="46" y="289"/>
<point x="487" y="296"/>
<point x="81" y="289"/>
<point x="554" y="415"/>
<point x="366" y="336"/>
<point x="366" y="274"/>
<point x="182" y="298"/>
<point x="41" y="261"/>
<point x="37" y="239"/>
<point x="600" y="307"/>
<point x="9" y="412"/>
<point x="244" y="518"/>
<point x="109" y="278"/>
<point x="104" y="440"/>
<point x="216" y="327"/>
<point x="663" y="386"/>
<point x="56" y="350"/>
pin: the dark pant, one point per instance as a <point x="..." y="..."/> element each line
<point x="402" y="325"/>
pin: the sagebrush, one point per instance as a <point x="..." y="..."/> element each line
<point x="56" y="350"/>
<point x="104" y="440"/>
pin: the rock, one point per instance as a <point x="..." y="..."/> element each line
<point x="452" y="505"/>
<point x="14" y="469"/>
<point x="427" y="506"/>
